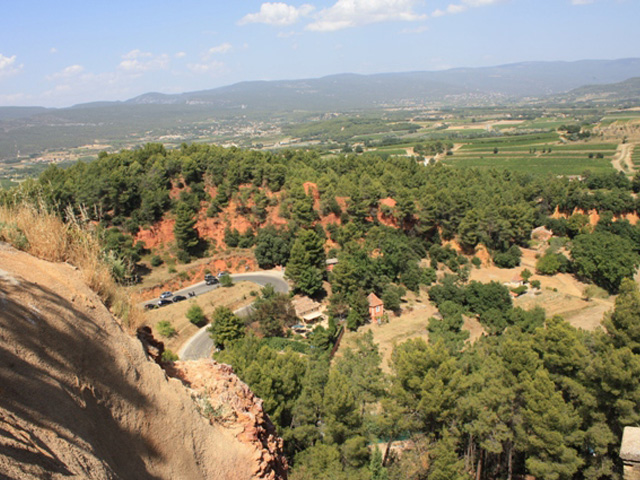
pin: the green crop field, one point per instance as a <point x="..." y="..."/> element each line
<point x="555" y="164"/>
<point x="541" y="123"/>
<point x="538" y="139"/>
<point x="392" y="151"/>
<point x="635" y="155"/>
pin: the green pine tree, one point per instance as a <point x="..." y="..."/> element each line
<point x="187" y="237"/>
<point x="225" y="327"/>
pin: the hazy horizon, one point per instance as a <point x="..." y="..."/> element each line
<point x="69" y="53"/>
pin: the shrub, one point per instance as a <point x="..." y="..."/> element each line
<point x="195" y="315"/>
<point x="552" y="263"/>
<point x="519" y="290"/>
<point x="226" y="281"/>
<point x="165" y="329"/>
<point x="156" y="261"/>
<point x="183" y="257"/>
<point x="169" y="356"/>
<point x="508" y="259"/>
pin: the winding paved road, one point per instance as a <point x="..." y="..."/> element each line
<point x="201" y="345"/>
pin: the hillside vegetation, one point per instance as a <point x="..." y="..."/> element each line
<point x="533" y="396"/>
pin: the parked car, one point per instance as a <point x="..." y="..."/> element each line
<point x="179" y="298"/>
<point x="150" y="306"/>
<point x="222" y="273"/>
<point x="166" y="295"/>
<point x="164" y="301"/>
<point x="210" y="279"/>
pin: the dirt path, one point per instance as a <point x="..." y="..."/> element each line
<point x="621" y="161"/>
<point x="441" y="156"/>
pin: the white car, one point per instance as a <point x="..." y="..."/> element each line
<point x="166" y="295"/>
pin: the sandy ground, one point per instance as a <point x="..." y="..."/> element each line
<point x="412" y="323"/>
<point x="560" y="294"/>
<point x="234" y="297"/>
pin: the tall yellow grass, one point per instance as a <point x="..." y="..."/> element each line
<point x="44" y="235"/>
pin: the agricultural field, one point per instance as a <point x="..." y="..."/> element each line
<point x="635" y="156"/>
<point x="622" y="117"/>
<point x="536" y="153"/>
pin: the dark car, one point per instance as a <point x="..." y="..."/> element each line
<point x="179" y="298"/>
<point x="163" y="301"/>
<point x="150" y="306"/>
<point x="210" y="279"/>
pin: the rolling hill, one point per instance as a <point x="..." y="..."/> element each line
<point x="30" y="130"/>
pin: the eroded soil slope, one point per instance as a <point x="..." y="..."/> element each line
<point x="79" y="398"/>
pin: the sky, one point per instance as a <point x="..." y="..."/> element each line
<point x="65" y="52"/>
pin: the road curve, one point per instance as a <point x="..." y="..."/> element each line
<point x="200" y="345"/>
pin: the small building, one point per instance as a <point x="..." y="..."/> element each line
<point x="376" y="307"/>
<point x="331" y="263"/>
<point x="630" y="453"/>
<point x="308" y="310"/>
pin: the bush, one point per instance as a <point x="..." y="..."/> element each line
<point x="196" y="315"/>
<point x="165" y="329"/>
<point x="280" y="344"/>
<point x="156" y="261"/>
<point x="508" y="259"/>
<point x="519" y="290"/>
<point x="183" y="257"/>
<point x="169" y="356"/>
<point x="226" y="281"/>
<point x="552" y="263"/>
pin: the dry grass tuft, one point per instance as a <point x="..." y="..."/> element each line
<point x="44" y="235"/>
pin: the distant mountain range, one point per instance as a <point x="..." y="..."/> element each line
<point x="31" y="129"/>
<point x="627" y="91"/>
<point x="459" y="85"/>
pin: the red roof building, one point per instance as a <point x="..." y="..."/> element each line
<point x="376" y="307"/>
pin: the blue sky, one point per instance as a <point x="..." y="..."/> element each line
<point x="66" y="52"/>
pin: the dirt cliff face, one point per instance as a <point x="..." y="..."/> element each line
<point x="80" y="399"/>
<point x="226" y="400"/>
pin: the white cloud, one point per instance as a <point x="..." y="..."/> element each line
<point x="180" y="54"/>
<point x="465" y="5"/>
<point x="223" y="48"/>
<point x="582" y="2"/>
<point x="207" y="65"/>
<point x="53" y="50"/>
<point x="137" y="61"/>
<point x="353" y="13"/>
<point x="277" y="13"/>
<point x="212" y="67"/>
<point x="70" y="71"/>
<point x="8" y="66"/>
<point x="481" y="3"/>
